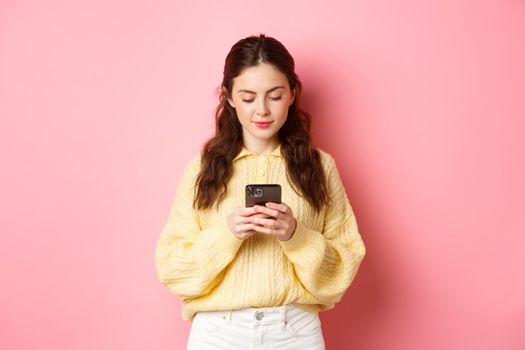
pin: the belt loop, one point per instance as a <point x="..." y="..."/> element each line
<point x="282" y="321"/>
<point x="227" y="316"/>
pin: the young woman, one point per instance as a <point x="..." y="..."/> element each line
<point x="256" y="277"/>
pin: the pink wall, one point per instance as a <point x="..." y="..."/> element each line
<point x="421" y="103"/>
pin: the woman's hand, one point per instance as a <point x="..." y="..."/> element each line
<point x="279" y="222"/>
<point x="240" y="222"/>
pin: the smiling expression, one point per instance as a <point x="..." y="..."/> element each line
<point x="261" y="96"/>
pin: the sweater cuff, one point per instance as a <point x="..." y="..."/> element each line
<point x="221" y="239"/>
<point x="302" y="239"/>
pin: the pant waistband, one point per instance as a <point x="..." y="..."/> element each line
<point x="257" y="315"/>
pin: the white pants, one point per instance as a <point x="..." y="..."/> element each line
<point x="284" y="328"/>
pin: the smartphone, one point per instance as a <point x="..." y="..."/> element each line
<point x="262" y="193"/>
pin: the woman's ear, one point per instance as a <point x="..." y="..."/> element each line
<point x="228" y="97"/>
<point x="293" y="97"/>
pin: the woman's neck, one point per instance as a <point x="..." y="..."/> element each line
<point x="261" y="146"/>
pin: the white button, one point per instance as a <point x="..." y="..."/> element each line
<point x="259" y="315"/>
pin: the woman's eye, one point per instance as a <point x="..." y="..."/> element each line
<point x="277" y="98"/>
<point x="248" y="101"/>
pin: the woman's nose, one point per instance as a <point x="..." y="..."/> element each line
<point x="262" y="108"/>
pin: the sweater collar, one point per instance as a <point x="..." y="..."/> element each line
<point x="244" y="153"/>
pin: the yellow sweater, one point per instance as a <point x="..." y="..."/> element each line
<point x="199" y="259"/>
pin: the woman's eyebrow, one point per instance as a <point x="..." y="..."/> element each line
<point x="253" y="92"/>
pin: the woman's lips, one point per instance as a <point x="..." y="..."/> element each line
<point x="262" y="125"/>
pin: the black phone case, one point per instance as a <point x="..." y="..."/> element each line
<point x="262" y="193"/>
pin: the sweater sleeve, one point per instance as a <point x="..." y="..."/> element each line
<point x="326" y="262"/>
<point x="191" y="261"/>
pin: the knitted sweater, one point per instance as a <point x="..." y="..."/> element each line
<point x="199" y="259"/>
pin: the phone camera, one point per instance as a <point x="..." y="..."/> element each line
<point x="254" y="191"/>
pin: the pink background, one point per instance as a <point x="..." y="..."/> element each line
<point x="420" y="102"/>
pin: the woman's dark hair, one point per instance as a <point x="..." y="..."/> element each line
<point x="303" y="160"/>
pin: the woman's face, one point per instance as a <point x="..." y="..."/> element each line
<point x="261" y="96"/>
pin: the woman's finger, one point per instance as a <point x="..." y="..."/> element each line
<point x="245" y="228"/>
<point x="262" y="229"/>
<point x="277" y="206"/>
<point x="271" y="212"/>
<point x="272" y="223"/>
<point x="260" y="215"/>
<point x="242" y="220"/>
<point x="241" y="211"/>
